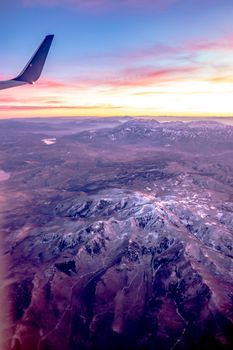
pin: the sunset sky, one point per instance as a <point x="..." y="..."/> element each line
<point x="120" y="57"/>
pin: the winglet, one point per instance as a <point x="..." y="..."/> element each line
<point x="33" y="69"/>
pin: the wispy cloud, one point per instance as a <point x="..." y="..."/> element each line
<point x="51" y="84"/>
<point x="185" y="51"/>
<point x="143" y="76"/>
<point x="100" y="5"/>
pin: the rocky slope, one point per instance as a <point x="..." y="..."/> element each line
<point x="121" y="238"/>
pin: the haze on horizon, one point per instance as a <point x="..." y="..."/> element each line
<point x="131" y="57"/>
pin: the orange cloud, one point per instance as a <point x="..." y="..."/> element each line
<point x="13" y="108"/>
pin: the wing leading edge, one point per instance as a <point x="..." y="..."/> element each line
<point x="32" y="71"/>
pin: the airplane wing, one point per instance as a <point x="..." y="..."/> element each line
<point x="33" y="69"/>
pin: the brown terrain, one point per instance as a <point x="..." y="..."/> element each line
<point x="117" y="234"/>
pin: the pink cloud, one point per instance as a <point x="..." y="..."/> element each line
<point x="7" y="99"/>
<point x="141" y="77"/>
<point x="136" y="77"/>
<point x="51" y="84"/>
<point x="222" y="43"/>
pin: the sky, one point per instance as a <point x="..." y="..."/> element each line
<point x="120" y="57"/>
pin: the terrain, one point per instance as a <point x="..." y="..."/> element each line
<point x="117" y="233"/>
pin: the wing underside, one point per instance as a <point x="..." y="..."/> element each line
<point x="10" y="83"/>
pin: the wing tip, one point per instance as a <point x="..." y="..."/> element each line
<point x="33" y="69"/>
<point x="49" y="36"/>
